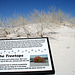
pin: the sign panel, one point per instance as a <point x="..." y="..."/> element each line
<point x="32" y="55"/>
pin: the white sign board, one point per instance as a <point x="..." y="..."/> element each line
<point x="25" y="55"/>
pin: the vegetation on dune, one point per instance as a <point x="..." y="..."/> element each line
<point x="35" y="24"/>
<point x="45" y="18"/>
<point x="13" y="22"/>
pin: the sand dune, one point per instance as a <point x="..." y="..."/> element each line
<point x="62" y="42"/>
<point x="63" y="50"/>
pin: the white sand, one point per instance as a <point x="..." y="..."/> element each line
<point x="62" y="42"/>
<point x="63" y="51"/>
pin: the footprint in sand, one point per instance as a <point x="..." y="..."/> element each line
<point x="67" y="47"/>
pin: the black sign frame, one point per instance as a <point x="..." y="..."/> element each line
<point x="33" y="72"/>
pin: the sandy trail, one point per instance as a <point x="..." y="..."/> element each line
<point x="63" y="51"/>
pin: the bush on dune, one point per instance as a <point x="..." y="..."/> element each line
<point x="51" y="16"/>
<point x="36" y="21"/>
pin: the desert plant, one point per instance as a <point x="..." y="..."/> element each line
<point x="49" y="19"/>
<point x="51" y="16"/>
<point x="44" y="17"/>
<point x="39" y="59"/>
<point x="18" y="20"/>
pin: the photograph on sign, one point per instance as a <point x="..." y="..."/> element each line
<point x="39" y="60"/>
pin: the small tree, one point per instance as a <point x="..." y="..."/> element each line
<point x="39" y="59"/>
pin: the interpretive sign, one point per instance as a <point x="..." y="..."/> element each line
<point x="28" y="55"/>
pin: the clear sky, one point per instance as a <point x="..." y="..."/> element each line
<point x="10" y="7"/>
<point x="33" y="56"/>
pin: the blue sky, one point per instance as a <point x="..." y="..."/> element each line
<point x="33" y="56"/>
<point x="11" y="7"/>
